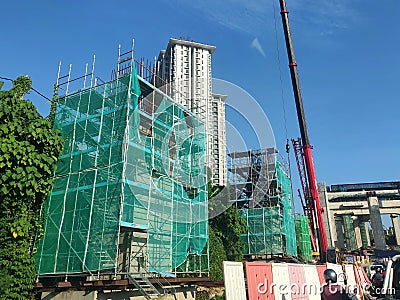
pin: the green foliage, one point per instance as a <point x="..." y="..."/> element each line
<point x="217" y="255"/>
<point x="52" y="114"/>
<point x="29" y="149"/>
<point x="225" y="231"/>
<point x="228" y="226"/>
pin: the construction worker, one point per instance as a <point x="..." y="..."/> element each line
<point x="332" y="290"/>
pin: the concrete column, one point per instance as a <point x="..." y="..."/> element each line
<point x="326" y="216"/>
<point x="396" y="227"/>
<point x="376" y="221"/>
<point x="332" y="225"/>
<point x="357" y="231"/>
<point x="339" y="232"/>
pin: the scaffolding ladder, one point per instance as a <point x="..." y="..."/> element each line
<point x="138" y="273"/>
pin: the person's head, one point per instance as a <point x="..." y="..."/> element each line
<point x="378" y="270"/>
<point x="355" y="291"/>
<point x="330" y="276"/>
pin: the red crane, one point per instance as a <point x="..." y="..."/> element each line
<point x="303" y="148"/>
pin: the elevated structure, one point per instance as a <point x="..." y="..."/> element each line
<point x="260" y="189"/>
<point x="350" y="207"/>
<point x="186" y="67"/>
<point x="130" y="192"/>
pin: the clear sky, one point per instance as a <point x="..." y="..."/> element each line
<point x="347" y="52"/>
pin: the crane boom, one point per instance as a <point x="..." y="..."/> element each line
<point x="306" y="146"/>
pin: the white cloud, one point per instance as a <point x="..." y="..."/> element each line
<point x="256" y="44"/>
<point x="259" y="16"/>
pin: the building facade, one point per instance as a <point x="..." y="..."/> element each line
<point x="218" y="133"/>
<point x="186" y="67"/>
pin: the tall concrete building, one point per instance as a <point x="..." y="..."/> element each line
<point x="218" y="133"/>
<point x="186" y="66"/>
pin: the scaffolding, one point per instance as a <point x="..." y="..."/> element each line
<point x="303" y="238"/>
<point x="261" y="191"/>
<point x="349" y="233"/>
<point x="130" y="190"/>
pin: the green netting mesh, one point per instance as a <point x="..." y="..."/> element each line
<point x="303" y="238"/>
<point x="363" y="232"/>
<point x="271" y="229"/>
<point x="349" y="232"/>
<point x="288" y="229"/>
<point x="264" y="233"/>
<point x="124" y="164"/>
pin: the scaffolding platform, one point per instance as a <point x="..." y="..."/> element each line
<point x="262" y="193"/>
<point x="130" y="190"/>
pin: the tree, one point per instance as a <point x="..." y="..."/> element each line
<point x="217" y="255"/>
<point x="225" y="231"/>
<point x="228" y="226"/>
<point x="29" y="149"/>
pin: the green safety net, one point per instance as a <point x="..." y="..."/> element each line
<point x="264" y="234"/>
<point x="303" y="238"/>
<point x="363" y="232"/>
<point x="350" y="236"/>
<point x="288" y="228"/>
<point x="127" y="167"/>
<point x="271" y="229"/>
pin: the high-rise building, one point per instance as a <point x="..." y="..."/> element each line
<point x="218" y="134"/>
<point x="186" y="66"/>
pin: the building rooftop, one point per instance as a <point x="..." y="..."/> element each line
<point x="173" y="41"/>
<point x="371" y="186"/>
<point x="220" y="96"/>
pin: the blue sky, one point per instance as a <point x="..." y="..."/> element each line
<point x="347" y="52"/>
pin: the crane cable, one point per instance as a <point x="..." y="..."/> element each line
<point x="287" y="147"/>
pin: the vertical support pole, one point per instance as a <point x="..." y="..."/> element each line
<point x="357" y="230"/>
<point x="323" y="196"/>
<point x="396" y="227"/>
<point x="364" y="231"/>
<point x="91" y="77"/>
<point x="84" y="80"/>
<point x="376" y="221"/>
<point x="339" y="232"/>
<point x="58" y="74"/>
<point x="119" y="58"/>
<point x="69" y="77"/>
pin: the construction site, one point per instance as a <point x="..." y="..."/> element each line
<point x="130" y="192"/>
<point x="129" y="205"/>
<point x="129" y="208"/>
<point x="128" y="215"/>
<point x="190" y="168"/>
